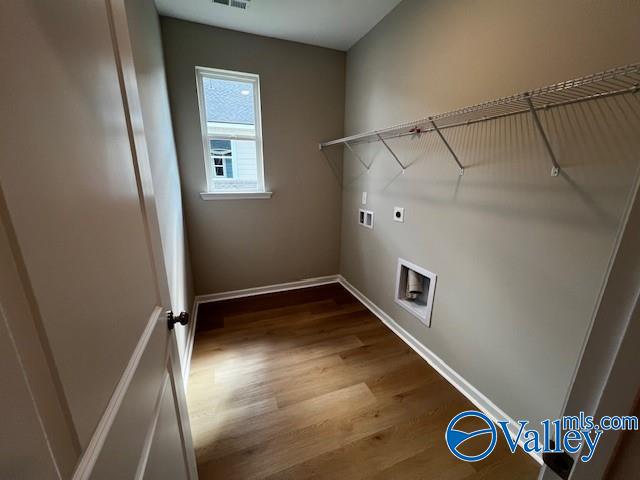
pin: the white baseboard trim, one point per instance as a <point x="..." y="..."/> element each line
<point x="278" y="287"/>
<point x="247" y="292"/>
<point x="454" y="378"/>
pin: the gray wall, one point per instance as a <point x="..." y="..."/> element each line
<point x="520" y="256"/>
<point x="146" y="43"/>
<point x="626" y="463"/>
<point x="239" y="244"/>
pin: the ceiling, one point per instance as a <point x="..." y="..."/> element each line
<point x="334" y="24"/>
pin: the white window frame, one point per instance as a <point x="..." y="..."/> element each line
<point x="254" y="79"/>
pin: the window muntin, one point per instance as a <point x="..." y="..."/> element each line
<point x="231" y="130"/>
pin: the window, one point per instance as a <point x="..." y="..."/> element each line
<point x="231" y="131"/>
<point x="222" y="158"/>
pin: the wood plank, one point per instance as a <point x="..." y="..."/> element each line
<point x="302" y="444"/>
<point x="309" y="384"/>
<point x="370" y="455"/>
<point x="434" y="462"/>
<point x="245" y="435"/>
<point x="255" y="365"/>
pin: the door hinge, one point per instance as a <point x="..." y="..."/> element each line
<point x="182" y="319"/>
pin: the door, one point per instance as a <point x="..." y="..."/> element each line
<point x="148" y="56"/>
<point x="82" y="242"/>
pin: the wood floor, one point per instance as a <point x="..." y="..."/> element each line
<point x="309" y="384"/>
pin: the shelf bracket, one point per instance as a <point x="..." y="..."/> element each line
<point x="395" y="157"/>
<point x="453" y="154"/>
<point x="555" y="168"/>
<point x="367" y="167"/>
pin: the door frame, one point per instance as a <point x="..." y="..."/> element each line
<point x="123" y="54"/>
<point x="20" y="313"/>
<point x="605" y="380"/>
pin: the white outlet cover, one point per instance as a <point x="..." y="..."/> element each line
<point x="365" y="218"/>
<point x="368" y="221"/>
<point x="364" y="198"/>
<point x="398" y="214"/>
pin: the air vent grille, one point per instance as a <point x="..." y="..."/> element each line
<point x="241" y="4"/>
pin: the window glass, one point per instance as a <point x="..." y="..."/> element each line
<point x="229" y="110"/>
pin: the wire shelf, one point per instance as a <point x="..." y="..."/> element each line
<point x="616" y="81"/>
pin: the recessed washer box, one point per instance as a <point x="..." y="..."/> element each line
<point x="422" y="306"/>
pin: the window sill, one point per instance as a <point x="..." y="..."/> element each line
<point x="235" y="196"/>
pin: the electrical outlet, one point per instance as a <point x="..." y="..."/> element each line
<point x="368" y="220"/>
<point x="365" y="218"/>
<point x="398" y="214"/>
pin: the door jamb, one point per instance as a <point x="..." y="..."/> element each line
<point x="133" y="112"/>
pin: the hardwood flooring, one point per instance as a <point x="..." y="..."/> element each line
<point x="309" y="384"/>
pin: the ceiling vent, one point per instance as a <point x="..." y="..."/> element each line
<point x="241" y="4"/>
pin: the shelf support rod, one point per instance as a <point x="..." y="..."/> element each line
<point x="391" y="152"/>
<point x="357" y="156"/>
<point x="555" y="169"/>
<point x="453" y="154"/>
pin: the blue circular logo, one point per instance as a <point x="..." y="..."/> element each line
<point x="455" y="438"/>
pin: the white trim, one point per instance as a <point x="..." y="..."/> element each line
<point x="118" y="22"/>
<point x="454" y="378"/>
<point x="254" y="79"/>
<point x="607" y="391"/>
<point x="181" y="410"/>
<point x="235" y="195"/>
<point x="222" y="136"/>
<point x="90" y="455"/>
<point x="278" y="287"/>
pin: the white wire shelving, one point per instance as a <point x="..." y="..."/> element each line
<point x="616" y="81"/>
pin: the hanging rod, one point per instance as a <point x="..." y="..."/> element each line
<point x="616" y="81"/>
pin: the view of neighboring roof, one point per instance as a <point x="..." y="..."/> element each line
<point x="228" y="101"/>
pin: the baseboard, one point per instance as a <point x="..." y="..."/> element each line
<point x="247" y="292"/>
<point x="278" y="287"/>
<point x="454" y="378"/>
